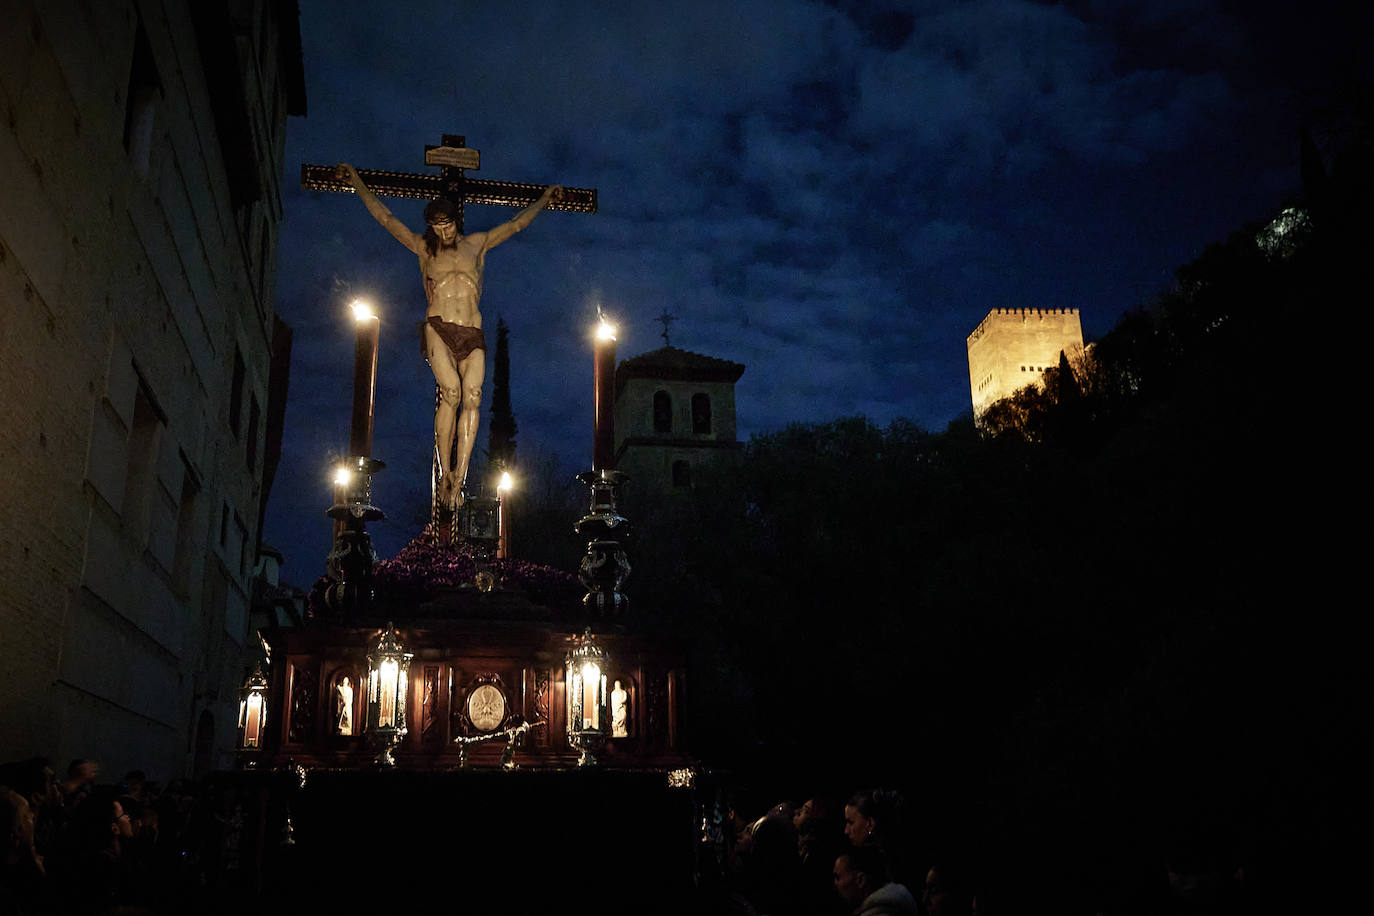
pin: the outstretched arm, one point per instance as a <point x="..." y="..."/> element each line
<point x="379" y="210"/>
<point x="524" y="217"/>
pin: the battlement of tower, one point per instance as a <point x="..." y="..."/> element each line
<point x="999" y="316"/>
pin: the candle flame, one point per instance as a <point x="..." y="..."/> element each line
<point x="605" y="331"/>
<point x="506" y="482"/>
<point x="361" y="310"/>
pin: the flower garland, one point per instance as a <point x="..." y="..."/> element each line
<point x="423" y="568"/>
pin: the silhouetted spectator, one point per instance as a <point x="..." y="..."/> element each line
<point x="94" y="875"/>
<point x="818" y="843"/>
<point x="876" y="817"/>
<point x="31" y="778"/>
<point x="23" y="885"/>
<point x="864" y="884"/>
<point x="81" y="776"/>
<point x="948" y="891"/>
<point x="814" y="822"/>
<point x="770" y="868"/>
<point x="136" y="786"/>
<point x="35" y="780"/>
<point x="873" y="815"/>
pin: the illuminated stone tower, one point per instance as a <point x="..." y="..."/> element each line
<point x="1011" y="348"/>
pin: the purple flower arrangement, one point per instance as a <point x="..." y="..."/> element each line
<point x="423" y="568"/>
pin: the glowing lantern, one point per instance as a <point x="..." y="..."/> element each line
<point x="388" y="676"/>
<point x="585" y="681"/>
<point x="252" y="716"/>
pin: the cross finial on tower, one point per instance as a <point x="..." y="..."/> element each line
<point x="667" y="319"/>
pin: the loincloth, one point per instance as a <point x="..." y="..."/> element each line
<point x="460" y="339"/>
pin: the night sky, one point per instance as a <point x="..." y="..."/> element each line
<point x="833" y="194"/>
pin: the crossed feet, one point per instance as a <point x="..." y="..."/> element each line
<point x="451" y="491"/>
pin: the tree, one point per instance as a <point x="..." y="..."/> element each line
<point x="501" y="430"/>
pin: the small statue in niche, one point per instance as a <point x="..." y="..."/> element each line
<point x="619" y="712"/>
<point x="430" y="703"/>
<point x="344" y="716"/>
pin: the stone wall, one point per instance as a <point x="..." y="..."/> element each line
<point x="137" y="297"/>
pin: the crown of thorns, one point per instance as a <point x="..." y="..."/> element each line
<point x="440" y="210"/>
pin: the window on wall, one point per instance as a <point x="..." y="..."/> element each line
<point x="141" y="475"/>
<point x="254" y="415"/>
<point x="140" y="103"/>
<point x="264" y="255"/>
<point x="242" y="531"/>
<point x="701" y="413"/>
<point x="264" y="33"/>
<point x="682" y="474"/>
<point x="663" y="412"/>
<point x="278" y="122"/>
<point x="186" y="516"/>
<point x="236" y="391"/>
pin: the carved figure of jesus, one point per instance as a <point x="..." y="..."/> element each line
<point x="451" y="271"/>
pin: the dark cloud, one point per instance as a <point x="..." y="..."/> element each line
<point x="833" y="193"/>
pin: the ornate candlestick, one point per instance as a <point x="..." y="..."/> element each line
<point x="603" y="398"/>
<point x="352" y="558"/>
<point x="350" y="563"/>
<point x="367" y="335"/>
<point x="605" y="566"/>
<point x="503" y="515"/>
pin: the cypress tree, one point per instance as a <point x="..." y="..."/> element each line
<point x="501" y="430"/>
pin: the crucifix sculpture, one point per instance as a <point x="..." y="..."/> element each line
<point x="451" y="265"/>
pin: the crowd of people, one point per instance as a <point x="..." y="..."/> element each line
<point x="77" y="845"/>
<point x="820" y="857"/>
<point x="867" y="856"/>
<point x="73" y="844"/>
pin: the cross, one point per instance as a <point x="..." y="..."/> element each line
<point x="453" y="158"/>
<point x="667" y="319"/>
